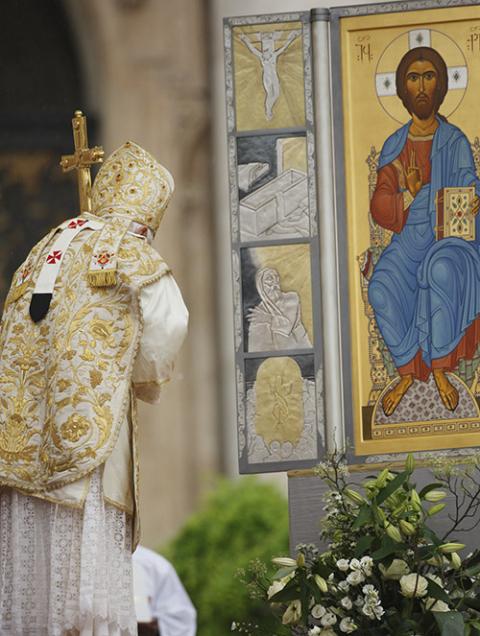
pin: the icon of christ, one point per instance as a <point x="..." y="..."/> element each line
<point x="425" y="293"/>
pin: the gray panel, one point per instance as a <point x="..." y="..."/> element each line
<point x="396" y="7"/>
<point x="256" y="182"/>
<point x="305" y="498"/>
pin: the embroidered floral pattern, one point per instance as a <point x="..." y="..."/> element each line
<point x="132" y="183"/>
<point x="24" y="274"/>
<point x="64" y="384"/>
<point x="75" y="427"/>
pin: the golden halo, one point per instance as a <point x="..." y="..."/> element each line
<point x="387" y="65"/>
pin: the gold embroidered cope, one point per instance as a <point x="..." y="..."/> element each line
<point x="65" y="381"/>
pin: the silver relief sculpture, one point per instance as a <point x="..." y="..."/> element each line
<point x="276" y="322"/>
<point x="268" y="57"/>
<point x="250" y="173"/>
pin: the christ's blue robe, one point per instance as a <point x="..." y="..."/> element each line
<point x="425" y="293"/>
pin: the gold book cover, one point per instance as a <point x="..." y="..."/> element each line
<point x="454" y="213"/>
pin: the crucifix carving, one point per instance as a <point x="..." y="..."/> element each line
<point x="82" y="159"/>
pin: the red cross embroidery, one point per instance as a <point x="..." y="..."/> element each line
<point x="54" y="257"/>
<point x="74" y="223"/>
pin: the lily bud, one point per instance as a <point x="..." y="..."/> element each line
<point x="406" y="527"/>
<point x="410" y="463"/>
<point x="322" y="584"/>
<point x="456" y="561"/>
<point x="354" y="496"/>
<point x="435" y="495"/>
<point x="393" y="532"/>
<point x="435" y="509"/>
<point x="416" y="498"/>
<point x="400" y="510"/>
<point x="448" y="548"/>
<point x="379" y="515"/>
<point x="382" y="478"/>
<point x="284" y="562"/>
<point x="437" y="560"/>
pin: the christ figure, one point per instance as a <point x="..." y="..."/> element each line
<point x="425" y="293"/>
<point x="268" y="57"/>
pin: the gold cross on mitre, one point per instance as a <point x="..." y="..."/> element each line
<point x="82" y="159"/>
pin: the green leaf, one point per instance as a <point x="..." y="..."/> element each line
<point x="426" y="552"/>
<point x="472" y="603"/>
<point x="387" y="547"/>
<point x="430" y="534"/>
<point x="322" y="569"/>
<point x="475" y="625"/>
<point x="450" y="623"/>
<point x="437" y="592"/>
<point x="391" y="487"/>
<point x="363" y="544"/>
<point x="291" y="592"/>
<point x="473" y="571"/>
<point x="314" y="590"/>
<point x="364" y="516"/>
<point x="304" y="598"/>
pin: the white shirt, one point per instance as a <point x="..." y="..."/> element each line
<point x="169" y="602"/>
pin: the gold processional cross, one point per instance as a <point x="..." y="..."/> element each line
<point x="81" y="160"/>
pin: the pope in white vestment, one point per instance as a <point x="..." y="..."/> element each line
<point x="93" y="320"/>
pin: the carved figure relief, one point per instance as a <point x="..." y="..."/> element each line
<point x="276" y="322"/>
<point x="277" y="298"/>
<point x="269" y="82"/>
<point x="268" y="56"/>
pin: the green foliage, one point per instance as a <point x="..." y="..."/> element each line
<point x="240" y="522"/>
<point x="386" y="572"/>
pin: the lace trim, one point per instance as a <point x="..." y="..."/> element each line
<point x="64" y="571"/>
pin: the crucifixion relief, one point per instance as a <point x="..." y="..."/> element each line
<point x="268" y="57"/>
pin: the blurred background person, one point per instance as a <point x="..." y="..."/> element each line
<point x="163" y="606"/>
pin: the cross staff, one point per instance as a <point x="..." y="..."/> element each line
<point x="82" y="159"/>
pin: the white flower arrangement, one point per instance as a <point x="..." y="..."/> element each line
<point x="385" y="572"/>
